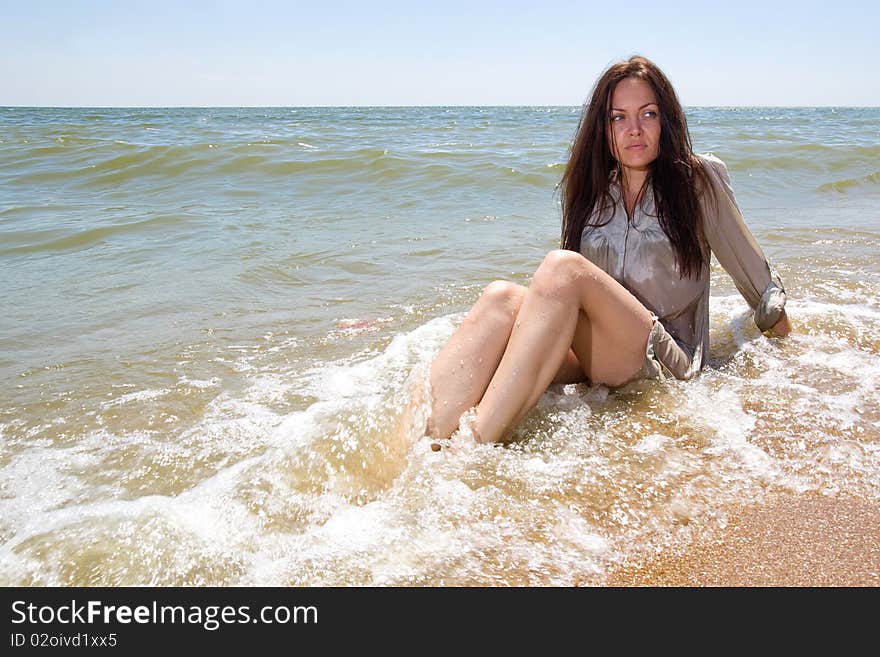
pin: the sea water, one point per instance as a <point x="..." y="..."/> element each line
<point x="212" y="322"/>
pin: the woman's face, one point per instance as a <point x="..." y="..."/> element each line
<point x="635" y="124"/>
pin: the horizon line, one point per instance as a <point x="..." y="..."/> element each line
<point x="367" y="106"/>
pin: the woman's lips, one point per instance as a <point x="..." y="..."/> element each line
<point x="636" y="147"/>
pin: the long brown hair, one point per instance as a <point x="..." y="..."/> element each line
<point x="675" y="176"/>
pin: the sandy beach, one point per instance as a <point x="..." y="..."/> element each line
<point x="791" y="540"/>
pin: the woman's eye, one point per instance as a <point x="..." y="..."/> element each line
<point x="651" y="114"/>
<point x="617" y="117"/>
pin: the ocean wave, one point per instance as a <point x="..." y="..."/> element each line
<point x="117" y="163"/>
<point x="871" y="181"/>
<point x="69" y="239"/>
<point x="806" y="158"/>
<point x="499" y="144"/>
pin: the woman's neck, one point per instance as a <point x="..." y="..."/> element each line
<point x="632" y="186"/>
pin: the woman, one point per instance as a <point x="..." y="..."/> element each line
<point x="628" y="294"/>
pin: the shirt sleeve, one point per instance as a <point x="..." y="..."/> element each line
<point x="736" y="249"/>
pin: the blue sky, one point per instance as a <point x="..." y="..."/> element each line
<point x="446" y="52"/>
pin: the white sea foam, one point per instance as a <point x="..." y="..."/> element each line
<point x="201" y="384"/>
<point x="139" y="396"/>
<point x="651" y="444"/>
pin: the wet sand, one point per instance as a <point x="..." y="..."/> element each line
<point x="791" y="540"/>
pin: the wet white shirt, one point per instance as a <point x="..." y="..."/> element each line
<point x="637" y="253"/>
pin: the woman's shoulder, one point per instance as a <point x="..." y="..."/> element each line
<point x="717" y="177"/>
<point x="712" y="163"/>
<point x="716" y="171"/>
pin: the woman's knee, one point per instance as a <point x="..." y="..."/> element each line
<point x="560" y="272"/>
<point x="503" y="296"/>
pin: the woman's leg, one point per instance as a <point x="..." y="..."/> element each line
<point x="461" y="371"/>
<point x="570" y="305"/>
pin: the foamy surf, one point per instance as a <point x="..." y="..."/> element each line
<point x="348" y="491"/>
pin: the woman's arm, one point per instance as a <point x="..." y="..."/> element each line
<point x="737" y="251"/>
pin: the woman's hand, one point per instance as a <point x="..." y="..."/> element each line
<point x="782" y="327"/>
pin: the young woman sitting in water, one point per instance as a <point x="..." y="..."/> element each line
<point x="627" y="296"/>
